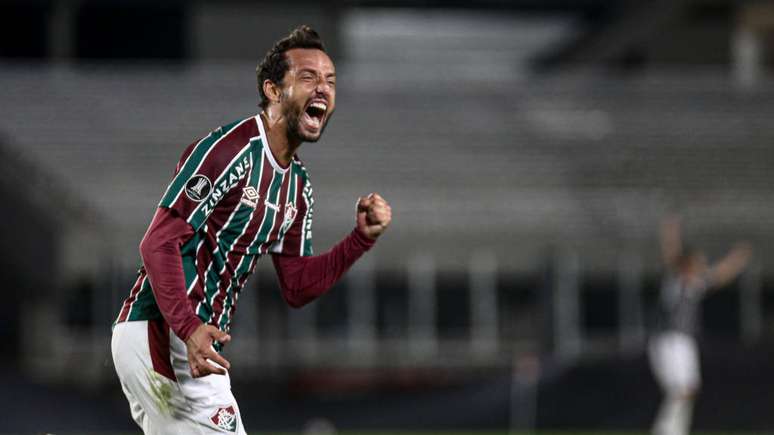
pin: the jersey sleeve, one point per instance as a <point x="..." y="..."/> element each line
<point x="304" y="279"/>
<point x="208" y="170"/>
<point x="297" y="241"/>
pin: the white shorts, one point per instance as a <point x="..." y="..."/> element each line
<point x="675" y="362"/>
<point x="152" y="365"/>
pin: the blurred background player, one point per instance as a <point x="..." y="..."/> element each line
<point x="239" y="193"/>
<point x="673" y="350"/>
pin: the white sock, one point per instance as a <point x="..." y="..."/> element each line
<point x="674" y="416"/>
<point x="684" y="415"/>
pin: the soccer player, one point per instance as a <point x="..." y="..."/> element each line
<point x="238" y="194"/>
<point x="673" y="352"/>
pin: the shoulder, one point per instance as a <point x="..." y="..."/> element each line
<point x="219" y="148"/>
<point x="224" y="143"/>
<point x="300" y="170"/>
<point x="236" y="134"/>
<point x="707" y="280"/>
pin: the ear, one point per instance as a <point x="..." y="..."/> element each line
<point x="272" y="91"/>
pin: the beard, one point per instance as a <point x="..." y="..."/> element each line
<point x="293" y="116"/>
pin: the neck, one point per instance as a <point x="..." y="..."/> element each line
<point x="281" y="145"/>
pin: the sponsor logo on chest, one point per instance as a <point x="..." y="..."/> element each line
<point x="227" y="182"/>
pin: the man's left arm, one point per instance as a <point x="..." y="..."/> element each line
<point x="730" y="266"/>
<point x="304" y="279"/>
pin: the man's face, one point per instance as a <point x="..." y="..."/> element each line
<point x="308" y="93"/>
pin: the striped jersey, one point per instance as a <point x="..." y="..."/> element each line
<point x="241" y="204"/>
<point x="679" y="303"/>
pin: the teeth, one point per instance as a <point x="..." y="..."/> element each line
<point x="320" y="106"/>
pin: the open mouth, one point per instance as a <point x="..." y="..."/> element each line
<point x="315" y="114"/>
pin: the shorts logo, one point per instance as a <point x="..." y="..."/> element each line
<point x="250" y="197"/>
<point x="198" y="188"/>
<point x="225" y="418"/>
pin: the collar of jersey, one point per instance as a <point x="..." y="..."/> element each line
<point x="267" y="149"/>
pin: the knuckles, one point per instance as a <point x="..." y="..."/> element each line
<point x="377" y="209"/>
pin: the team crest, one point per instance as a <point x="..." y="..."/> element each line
<point x="198" y="188"/>
<point x="225" y="418"/>
<point x="290" y="215"/>
<point x="250" y="197"/>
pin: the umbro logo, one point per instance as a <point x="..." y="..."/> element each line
<point x="250" y="197"/>
<point x="198" y="188"/>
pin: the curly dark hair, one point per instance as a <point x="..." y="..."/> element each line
<point x="274" y="65"/>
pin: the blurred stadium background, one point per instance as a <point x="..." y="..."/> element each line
<point x="529" y="149"/>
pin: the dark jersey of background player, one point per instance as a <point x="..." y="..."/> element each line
<point x="679" y="303"/>
<point x="689" y="277"/>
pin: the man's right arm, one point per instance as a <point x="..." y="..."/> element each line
<point x="671" y="241"/>
<point x="160" y="251"/>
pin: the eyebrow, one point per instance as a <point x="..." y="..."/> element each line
<point x="309" y="70"/>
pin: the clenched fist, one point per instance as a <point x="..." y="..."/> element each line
<point x="373" y="215"/>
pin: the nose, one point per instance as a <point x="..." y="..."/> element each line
<point x="323" y="87"/>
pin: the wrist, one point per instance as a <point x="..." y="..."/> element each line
<point x="362" y="239"/>
<point x="188" y="328"/>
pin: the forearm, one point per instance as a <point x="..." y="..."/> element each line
<point x="304" y="279"/>
<point x="160" y="251"/>
<point x="727" y="269"/>
<point x="671" y="241"/>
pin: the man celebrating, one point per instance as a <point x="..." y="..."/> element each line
<point x="673" y="351"/>
<point x="238" y="193"/>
